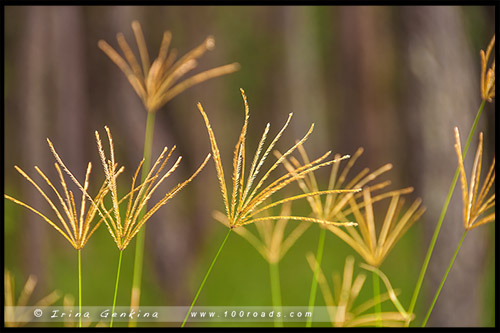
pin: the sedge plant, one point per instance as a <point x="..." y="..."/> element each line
<point x="333" y="202"/>
<point x="487" y="91"/>
<point x="272" y="244"/>
<point x="347" y="211"/>
<point x="156" y="84"/>
<point x="340" y="303"/>
<point x="479" y="208"/>
<point x="73" y="224"/>
<point x="364" y="240"/>
<point x="123" y="228"/>
<point x="249" y="196"/>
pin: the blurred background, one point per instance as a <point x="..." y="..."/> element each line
<point x="394" y="80"/>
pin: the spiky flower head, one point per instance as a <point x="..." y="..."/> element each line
<point x="74" y="225"/>
<point x="123" y="229"/>
<point x="476" y="204"/>
<point x="157" y="83"/>
<point x="488" y="74"/>
<point x="337" y="201"/>
<point x="364" y="240"/>
<point x="247" y="200"/>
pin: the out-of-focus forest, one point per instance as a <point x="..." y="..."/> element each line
<point x="394" y="80"/>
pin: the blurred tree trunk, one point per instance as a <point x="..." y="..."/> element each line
<point x="50" y="45"/>
<point x="303" y="77"/>
<point x="443" y="92"/>
<point x="370" y="118"/>
<point x="70" y="68"/>
<point x="32" y="69"/>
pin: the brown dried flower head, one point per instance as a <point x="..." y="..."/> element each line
<point x="476" y="204"/>
<point x="157" y="83"/>
<point x="248" y="201"/>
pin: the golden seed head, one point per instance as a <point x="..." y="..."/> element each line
<point x="124" y="228"/>
<point x="349" y="200"/>
<point x="73" y="224"/>
<point x="371" y="247"/>
<point x="488" y="74"/>
<point x="158" y="83"/>
<point x="478" y="207"/>
<point x="248" y="193"/>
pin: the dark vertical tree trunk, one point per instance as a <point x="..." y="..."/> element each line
<point x="368" y="97"/>
<point x="32" y="70"/>
<point x="70" y="75"/>
<point x="442" y="93"/>
<point x="303" y="77"/>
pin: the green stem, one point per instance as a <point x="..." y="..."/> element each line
<point x="444" y="279"/>
<point x="205" y="278"/>
<point x="80" y="287"/>
<point x="139" y="243"/>
<point x="314" y="284"/>
<point x="376" y="298"/>
<point x="116" y="285"/>
<point x="276" y="290"/>
<point x="441" y="218"/>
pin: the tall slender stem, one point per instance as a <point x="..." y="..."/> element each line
<point x="441" y="217"/>
<point x="205" y="278"/>
<point x="80" y="288"/>
<point x="314" y="284"/>
<point x="376" y="298"/>
<point x="276" y="291"/>
<point x="116" y="285"/>
<point x="139" y="243"/>
<point x="444" y="279"/>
